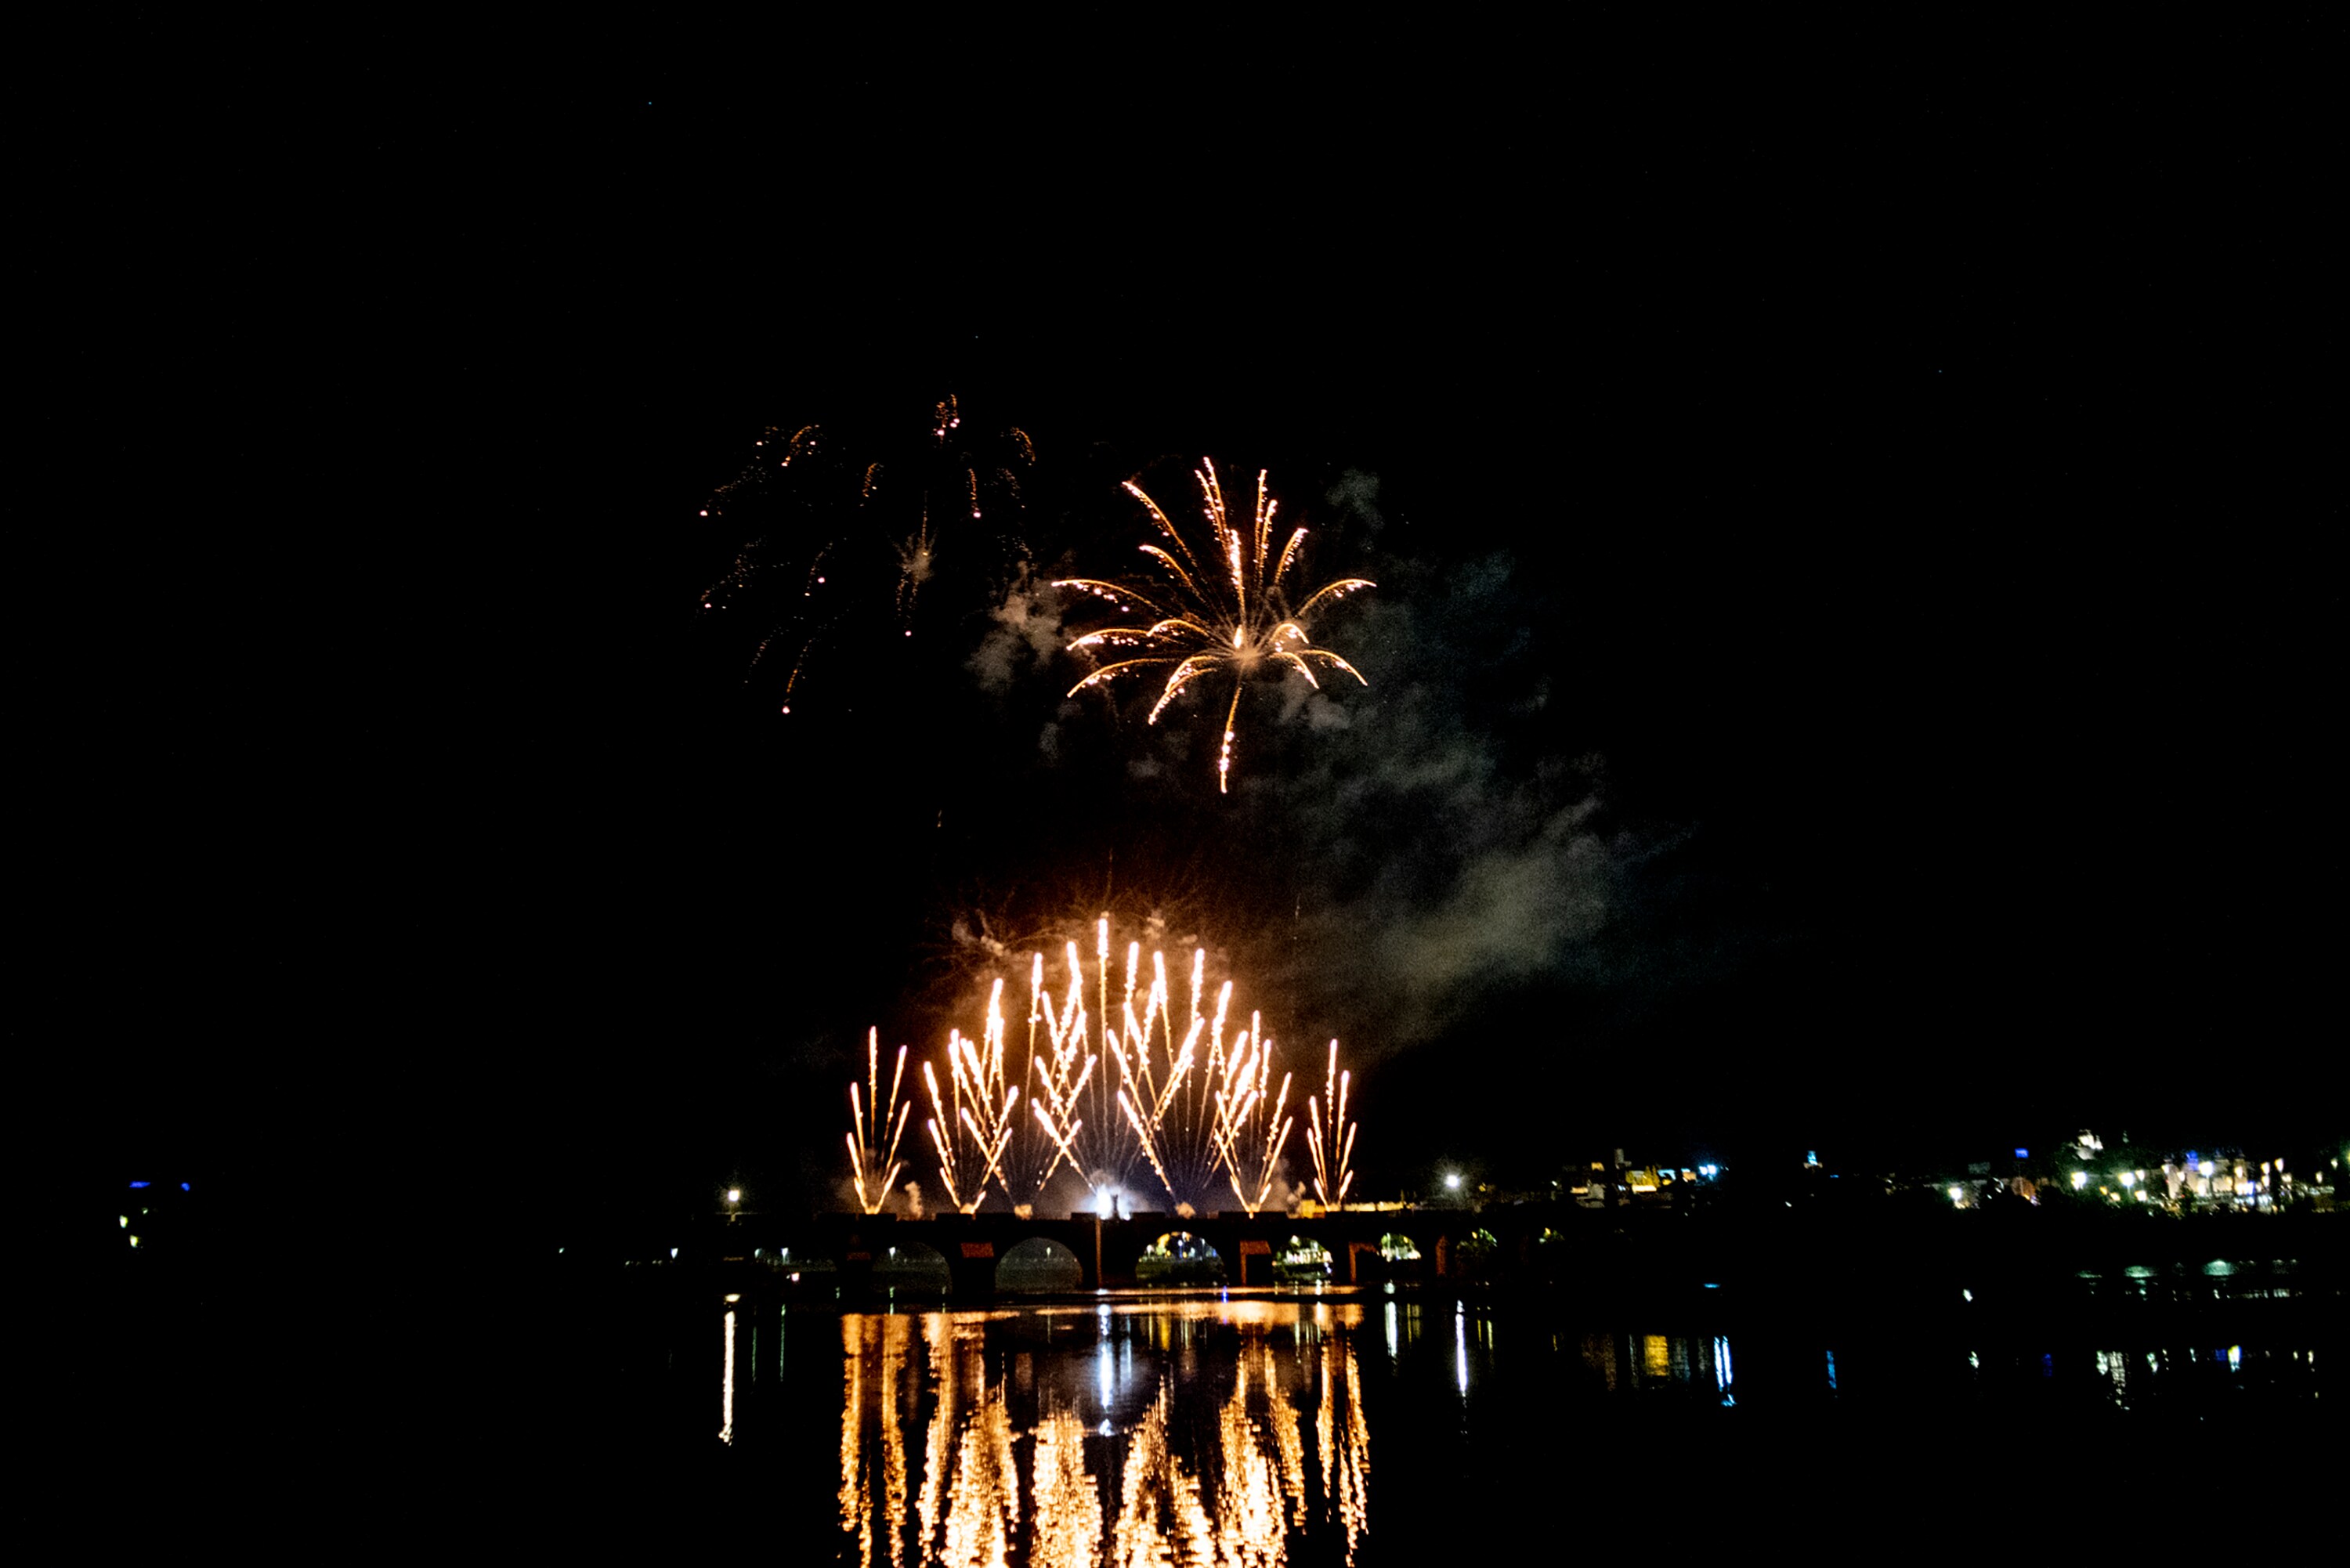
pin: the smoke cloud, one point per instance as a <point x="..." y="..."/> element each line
<point x="1024" y="634"/>
<point x="1443" y="857"/>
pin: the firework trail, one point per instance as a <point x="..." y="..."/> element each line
<point x="1250" y="1137"/>
<point x="867" y="1153"/>
<point x="1217" y="612"/>
<point x="1113" y="1081"/>
<point x="842" y="549"/>
<point x="1332" y="1139"/>
<point x="971" y="1139"/>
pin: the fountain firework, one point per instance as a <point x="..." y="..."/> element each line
<point x="1332" y="1139"/>
<point x="1112" y="1084"/>
<point x="867" y="1153"/>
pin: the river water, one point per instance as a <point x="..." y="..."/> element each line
<point x="1366" y="1428"/>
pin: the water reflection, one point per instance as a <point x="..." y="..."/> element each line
<point x="1208" y="1432"/>
<point x="2217" y="1278"/>
<point x="1050" y="1437"/>
<point x="1204" y="1430"/>
<point x="876" y="1383"/>
<point x="726" y="1387"/>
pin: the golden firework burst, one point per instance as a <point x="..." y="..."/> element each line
<point x="1222" y="611"/>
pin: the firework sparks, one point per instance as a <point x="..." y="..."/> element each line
<point x="970" y="1143"/>
<point x="841" y="554"/>
<point x="1217" y="612"/>
<point x="1114" y="1081"/>
<point x="1111" y="1082"/>
<point x="1332" y="1139"/>
<point x="1061" y="1074"/>
<point x="1249" y="1140"/>
<point x="867" y="1153"/>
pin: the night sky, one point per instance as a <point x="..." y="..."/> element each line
<point x="1852" y="665"/>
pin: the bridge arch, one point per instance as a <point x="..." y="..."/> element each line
<point x="1181" y="1257"/>
<point x="911" y="1268"/>
<point x="1039" y="1263"/>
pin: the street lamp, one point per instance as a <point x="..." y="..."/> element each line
<point x="1451" y="1181"/>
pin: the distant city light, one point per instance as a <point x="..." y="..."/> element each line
<point x="1452" y="1181"/>
<point x="1958" y="1194"/>
<point x="136" y="1185"/>
<point x="2080" y="1179"/>
<point x="2023" y="1154"/>
<point x="734" y="1195"/>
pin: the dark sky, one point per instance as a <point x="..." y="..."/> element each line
<point x="1852" y="665"/>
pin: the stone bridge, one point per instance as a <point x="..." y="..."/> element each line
<point x="962" y="1253"/>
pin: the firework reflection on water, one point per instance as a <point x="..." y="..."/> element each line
<point x="1205" y="1433"/>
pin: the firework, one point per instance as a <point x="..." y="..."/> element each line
<point x="971" y="1141"/>
<point x="1332" y="1140"/>
<point x="867" y="1153"/>
<point x="1112" y="1081"/>
<point x="1249" y="1139"/>
<point x="1061" y="1075"/>
<point x="841" y="550"/>
<point x="1217" y="613"/>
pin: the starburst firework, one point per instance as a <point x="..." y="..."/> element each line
<point x="1222" y="611"/>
